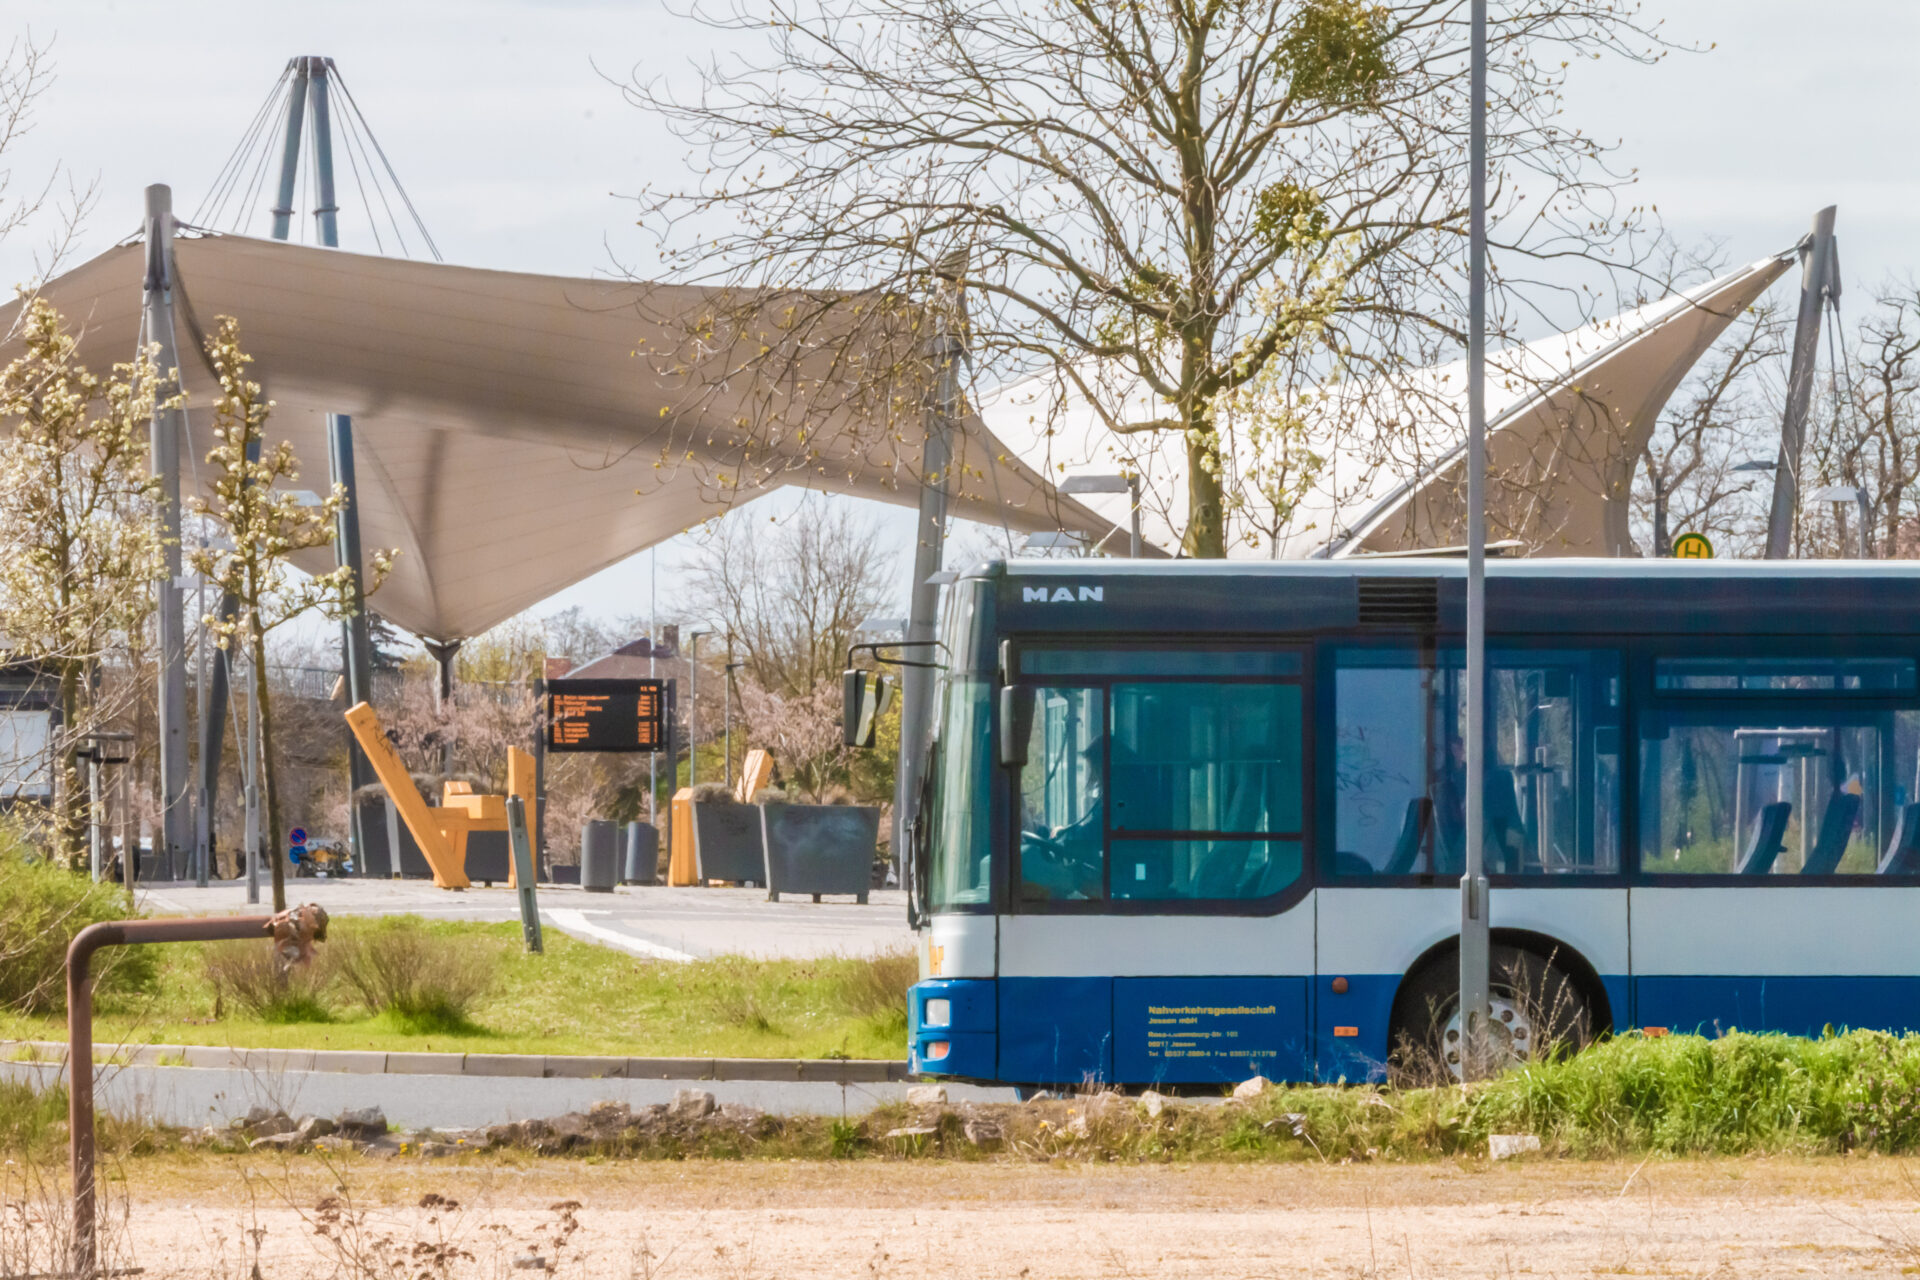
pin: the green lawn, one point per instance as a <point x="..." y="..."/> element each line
<point x="575" y="999"/>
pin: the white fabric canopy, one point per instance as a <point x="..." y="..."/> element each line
<point x="1568" y="418"/>
<point x="513" y="433"/>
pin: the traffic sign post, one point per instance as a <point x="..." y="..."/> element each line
<point x="523" y="873"/>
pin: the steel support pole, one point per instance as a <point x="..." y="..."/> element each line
<point x="1133" y="496"/>
<point x="255" y="846"/>
<point x="1816" y="271"/>
<point x="169" y="425"/>
<point x="356" y="642"/>
<point x="213" y="724"/>
<point x="693" y="708"/>
<point x="1476" y="952"/>
<point x="323" y="213"/>
<point x="290" y="151"/>
<point x="917" y="682"/>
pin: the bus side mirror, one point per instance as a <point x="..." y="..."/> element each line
<point x="865" y="697"/>
<point x="1016" y="724"/>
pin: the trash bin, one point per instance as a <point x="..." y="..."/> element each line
<point x="643" y="853"/>
<point x="599" y="856"/>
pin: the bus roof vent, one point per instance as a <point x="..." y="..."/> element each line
<point x="1405" y="604"/>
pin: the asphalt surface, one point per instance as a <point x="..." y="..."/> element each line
<point x="668" y="924"/>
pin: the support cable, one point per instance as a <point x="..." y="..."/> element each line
<point x="346" y="134"/>
<point x="214" y="204"/>
<point x="350" y="133"/>
<point x="398" y="186"/>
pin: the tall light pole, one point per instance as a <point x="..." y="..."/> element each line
<point x="693" y="703"/>
<point x="1476" y="947"/>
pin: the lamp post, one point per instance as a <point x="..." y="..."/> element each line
<point x="1127" y="484"/>
<point x="1476" y="944"/>
<point x="693" y="703"/>
<point x="727" y="715"/>
<point x="1840" y="495"/>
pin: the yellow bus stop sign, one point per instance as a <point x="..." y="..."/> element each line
<point x="1692" y="546"/>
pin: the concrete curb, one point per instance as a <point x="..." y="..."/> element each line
<point x="495" y="1065"/>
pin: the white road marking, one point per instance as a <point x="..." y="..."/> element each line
<point x="574" y="922"/>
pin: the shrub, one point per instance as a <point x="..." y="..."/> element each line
<point x="423" y="981"/>
<point x="248" y="975"/>
<point x="876" y="986"/>
<point x="42" y="906"/>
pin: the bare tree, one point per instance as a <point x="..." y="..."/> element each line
<point x="1155" y="202"/>
<point x="1867" y="433"/>
<point x="1726" y="413"/>
<point x="790" y="595"/>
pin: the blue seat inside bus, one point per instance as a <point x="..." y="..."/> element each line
<point x="1769" y="838"/>
<point x="1413" y="834"/>
<point x="1836" y="829"/>
<point x="1903" y="851"/>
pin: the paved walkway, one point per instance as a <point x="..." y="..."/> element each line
<point x="195" y="1096"/>
<point x="668" y="924"/>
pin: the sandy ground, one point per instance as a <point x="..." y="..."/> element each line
<point x="1783" y="1217"/>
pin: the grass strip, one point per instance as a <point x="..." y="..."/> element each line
<point x="577" y="998"/>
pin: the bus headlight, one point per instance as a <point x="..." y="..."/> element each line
<point x="937" y="1050"/>
<point x="937" y="1012"/>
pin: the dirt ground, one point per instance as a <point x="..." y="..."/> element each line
<point x="199" y="1217"/>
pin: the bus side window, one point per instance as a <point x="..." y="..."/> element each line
<point x="1552" y="797"/>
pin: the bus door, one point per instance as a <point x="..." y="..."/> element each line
<point x="1159" y="856"/>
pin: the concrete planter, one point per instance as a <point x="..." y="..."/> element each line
<point x="727" y="842"/>
<point x="819" y="848"/>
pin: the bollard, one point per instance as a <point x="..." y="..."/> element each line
<point x="521" y="850"/>
<point x="294" y="931"/>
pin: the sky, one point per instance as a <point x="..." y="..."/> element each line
<point x="506" y="123"/>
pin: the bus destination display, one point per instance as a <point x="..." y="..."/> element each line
<point x="606" y="715"/>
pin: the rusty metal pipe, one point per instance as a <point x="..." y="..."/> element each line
<point x="115" y="933"/>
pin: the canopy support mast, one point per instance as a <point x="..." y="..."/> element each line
<point x="944" y="350"/>
<point x="176" y="800"/>
<point x="1818" y="279"/>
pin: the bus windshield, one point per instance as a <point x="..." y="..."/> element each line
<point x="962" y="777"/>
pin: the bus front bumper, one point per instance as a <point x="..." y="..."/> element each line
<point x="952" y="1028"/>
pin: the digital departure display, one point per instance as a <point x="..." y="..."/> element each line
<point x="606" y="715"/>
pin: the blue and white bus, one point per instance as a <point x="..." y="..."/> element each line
<point x="1187" y="822"/>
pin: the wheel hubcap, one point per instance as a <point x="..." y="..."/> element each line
<point x="1509" y="1036"/>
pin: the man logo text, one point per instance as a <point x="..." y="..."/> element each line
<point x="1061" y="595"/>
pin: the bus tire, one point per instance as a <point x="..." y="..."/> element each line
<point x="1538" y="1009"/>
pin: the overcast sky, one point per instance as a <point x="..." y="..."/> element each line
<point x="501" y="121"/>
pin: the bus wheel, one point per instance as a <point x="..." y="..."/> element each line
<point x="1537" y="1009"/>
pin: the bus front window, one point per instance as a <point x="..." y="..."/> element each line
<point x="1061" y="820"/>
<point x="960" y="873"/>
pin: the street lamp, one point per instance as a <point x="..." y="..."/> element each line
<point x="693" y="703"/>
<point x="1127" y="484"/>
<point x="727" y="719"/>
<point x="1053" y="540"/>
<point x="1476" y="942"/>
<point x="1841" y="494"/>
